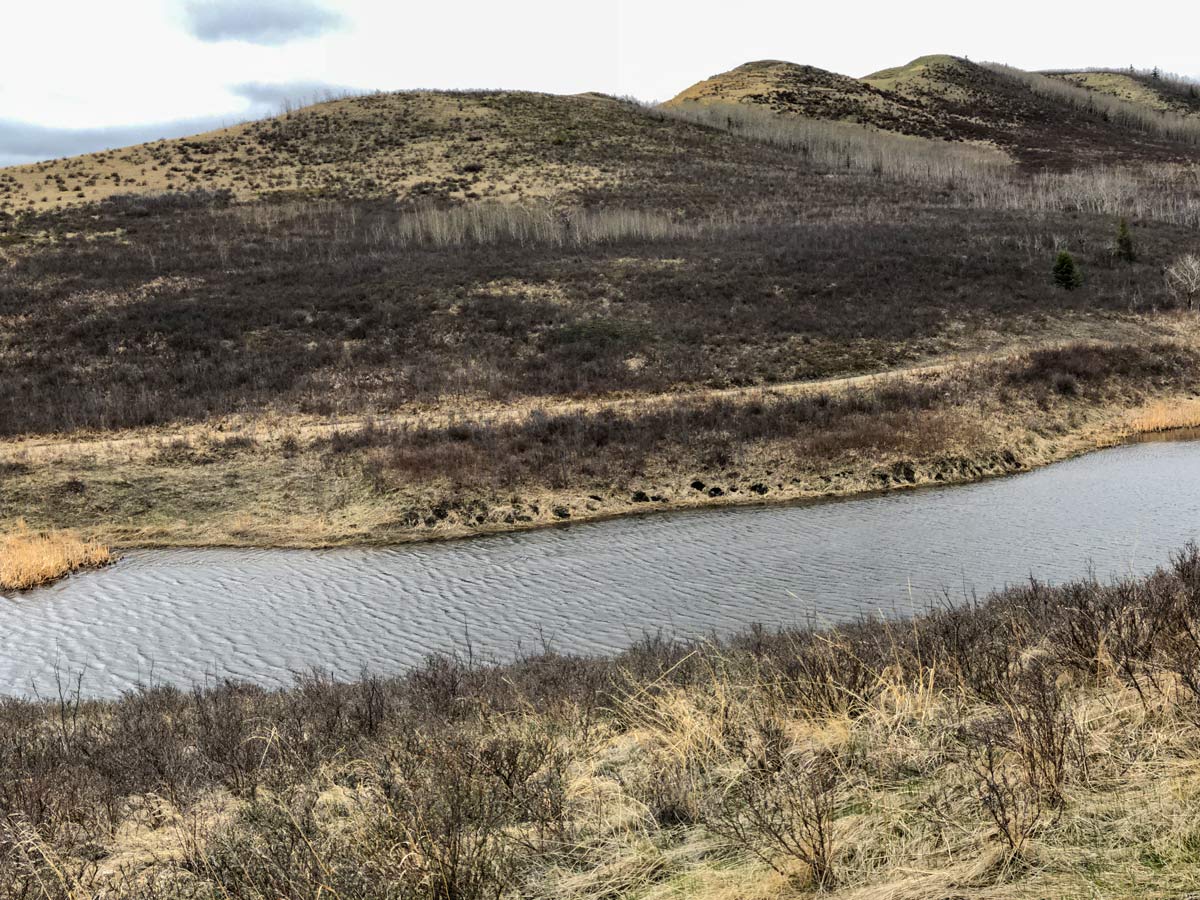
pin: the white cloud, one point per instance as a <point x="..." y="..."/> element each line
<point x="266" y="22"/>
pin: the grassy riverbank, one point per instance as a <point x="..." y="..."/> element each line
<point x="29" y="559"/>
<point x="442" y="474"/>
<point x="1043" y="742"/>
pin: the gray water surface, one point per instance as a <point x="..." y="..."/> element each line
<point x="185" y="615"/>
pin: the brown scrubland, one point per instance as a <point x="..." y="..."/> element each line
<point x="316" y="367"/>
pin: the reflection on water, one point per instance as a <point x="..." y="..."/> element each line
<point x="180" y="616"/>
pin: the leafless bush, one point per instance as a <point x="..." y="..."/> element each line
<point x="1013" y="805"/>
<point x="1042" y="733"/>
<point x="783" y="811"/>
<point x="1183" y="279"/>
<point x="454" y="804"/>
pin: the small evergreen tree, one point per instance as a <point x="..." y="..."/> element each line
<point x="1125" y="248"/>
<point x="1066" y="273"/>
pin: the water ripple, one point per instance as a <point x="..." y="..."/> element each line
<point x="186" y="615"/>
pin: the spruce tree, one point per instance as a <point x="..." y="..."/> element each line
<point x="1066" y="273"/>
<point x="1125" y="248"/>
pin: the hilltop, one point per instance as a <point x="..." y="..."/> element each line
<point x="421" y="147"/>
<point x="949" y="98"/>
<point x="427" y="146"/>
<point x="793" y="89"/>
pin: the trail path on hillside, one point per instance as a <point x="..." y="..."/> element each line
<point x="268" y="424"/>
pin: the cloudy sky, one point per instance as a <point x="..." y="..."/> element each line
<point x="81" y="75"/>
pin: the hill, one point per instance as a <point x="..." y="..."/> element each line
<point x="949" y="98"/>
<point x="793" y="89"/>
<point x="424" y="315"/>
<point x="1153" y="89"/>
<point x="406" y="145"/>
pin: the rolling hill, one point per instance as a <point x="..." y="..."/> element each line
<point x="953" y="99"/>
<point x="406" y="145"/>
<point x="1159" y="92"/>
<point x="498" y="145"/>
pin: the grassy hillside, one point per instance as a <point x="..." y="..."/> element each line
<point x="492" y="145"/>
<point x="422" y="315"/>
<point x="1153" y="89"/>
<point x="945" y="97"/>
<point x="815" y="93"/>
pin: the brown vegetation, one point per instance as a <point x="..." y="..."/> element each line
<point x="478" y="469"/>
<point x="29" y="559"/>
<point x="234" y="326"/>
<point x="1041" y="742"/>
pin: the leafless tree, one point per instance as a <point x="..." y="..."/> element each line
<point x="1183" y="279"/>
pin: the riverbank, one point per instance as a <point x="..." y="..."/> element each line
<point x="29" y="559"/>
<point x="435" y="475"/>
<point x="1042" y="742"/>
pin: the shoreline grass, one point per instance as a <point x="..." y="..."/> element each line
<point x="31" y="559"/>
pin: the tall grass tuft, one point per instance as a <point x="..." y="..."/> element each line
<point x="29" y="558"/>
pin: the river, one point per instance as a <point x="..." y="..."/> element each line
<point x="183" y="616"/>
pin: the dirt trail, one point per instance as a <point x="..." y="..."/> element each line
<point x="273" y="425"/>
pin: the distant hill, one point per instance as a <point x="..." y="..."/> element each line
<point x="514" y="146"/>
<point x="408" y="145"/>
<point x="793" y="89"/>
<point x="1155" y="90"/>
<point x="950" y="98"/>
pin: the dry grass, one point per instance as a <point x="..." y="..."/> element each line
<point x="31" y="558"/>
<point x="485" y="468"/>
<point x="1166" y="415"/>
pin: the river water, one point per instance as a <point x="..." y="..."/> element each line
<point x="186" y="615"/>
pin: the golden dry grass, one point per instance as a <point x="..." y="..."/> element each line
<point x="498" y="145"/>
<point x="1166" y="415"/>
<point x="30" y="558"/>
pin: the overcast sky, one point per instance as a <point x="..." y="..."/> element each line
<point x="82" y="75"/>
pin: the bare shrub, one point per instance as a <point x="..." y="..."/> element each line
<point x="1042" y="733"/>
<point x="1183" y="279"/>
<point x="1013" y="805"/>
<point x="462" y="809"/>
<point x="786" y="811"/>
